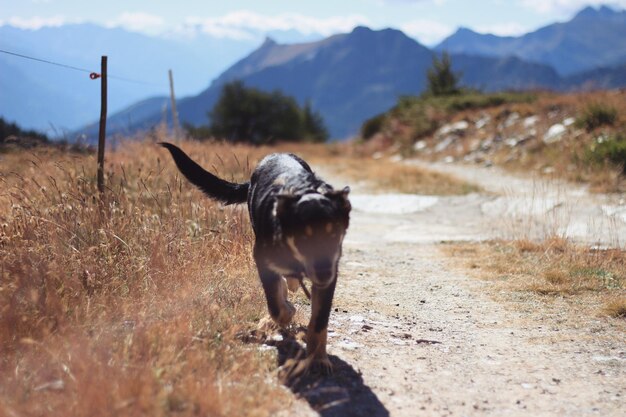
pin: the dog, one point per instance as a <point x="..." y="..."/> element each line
<point x="299" y="222"/>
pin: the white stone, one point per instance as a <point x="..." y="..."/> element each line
<point x="511" y="120"/>
<point x="420" y="145"/>
<point x="444" y="143"/>
<point x="569" y="121"/>
<point x="554" y="134"/>
<point x="452" y="127"/>
<point x="511" y="142"/>
<point x="530" y="121"/>
<point x="482" y="122"/>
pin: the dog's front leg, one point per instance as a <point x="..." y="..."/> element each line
<point x="317" y="332"/>
<point x="281" y="310"/>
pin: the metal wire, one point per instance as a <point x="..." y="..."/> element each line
<point x="130" y="80"/>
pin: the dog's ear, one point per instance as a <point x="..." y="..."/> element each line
<point x="285" y="203"/>
<point x="341" y="197"/>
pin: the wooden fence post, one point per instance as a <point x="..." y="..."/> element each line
<point x="175" y="124"/>
<point x="103" y="123"/>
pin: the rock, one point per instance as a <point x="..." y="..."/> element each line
<point x="420" y="145"/>
<point x="448" y="159"/>
<point x="396" y="158"/>
<point x="56" y="385"/>
<point x="530" y="121"/>
<point x="486" y="144"/>
<point x="511" y="120"/>
<point x="602" y="138"/>
<point x="475" y="157"/>
<point x="348" y="344"/>
<point x="482" y="122"/>
<point x="511" y="142"/>
<point x="569" y="121"/>
<point x="377" y="155"/>
<point x="525" y="139"/>
<point x="457" y="127"/>
<point x="444" y="143"/>
<point x="554" y="134"/>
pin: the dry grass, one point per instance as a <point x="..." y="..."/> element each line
<point x="350" y="162"/>
<point x="387" y="176"/>
<point x="130" y="306"/>
<point x="553" y="267"/>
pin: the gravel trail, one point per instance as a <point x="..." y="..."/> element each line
<point x="411" y="334"/>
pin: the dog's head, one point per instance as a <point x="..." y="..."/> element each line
<point x="313" y="226"/>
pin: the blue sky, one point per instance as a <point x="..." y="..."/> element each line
<point x="429" y="21"/>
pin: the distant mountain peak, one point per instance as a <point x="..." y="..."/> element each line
<point x="592" y="12"/>
<point x="464" y="30"/>
<point x="361" y="29"/>
<point x="269" y="41"/>
<point x="364" y="30"/>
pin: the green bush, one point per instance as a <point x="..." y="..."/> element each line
<point x="597" y="115"/>
<point x="11" y="129"/>
<point x="611" y="149"/>
<point x="373" y="125"/>
<point x="197" y="132"/>
<point x="442" y="81"/>
<point x="244" y="114"/>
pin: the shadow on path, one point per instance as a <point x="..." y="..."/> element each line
<point x="341" y="394"/>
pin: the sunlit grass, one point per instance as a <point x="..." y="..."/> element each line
<point x="129" y="305"/>
<point x="553" y="267"/>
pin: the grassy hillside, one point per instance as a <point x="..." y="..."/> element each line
<point x="579" y="137"/>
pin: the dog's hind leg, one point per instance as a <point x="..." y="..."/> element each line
<point x="293" y="283"/>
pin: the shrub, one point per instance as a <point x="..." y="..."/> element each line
<point x="611" y="149"/>
<point x="597" y="115"/>
<point x="8" y="130"/>
<point x="373" y="125"/>
<point x="244" y="114"/>
<point x="442" y="81"/>
<point x="197" y="132"/>
<point x="313" y="125"/>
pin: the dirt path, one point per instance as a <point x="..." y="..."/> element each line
<point x="413" y="335"/>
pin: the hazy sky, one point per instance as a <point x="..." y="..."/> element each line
<point x="428" y="21"/>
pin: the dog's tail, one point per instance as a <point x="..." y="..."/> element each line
<point x="214" y="187"/>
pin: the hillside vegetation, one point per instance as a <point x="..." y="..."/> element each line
<point x="249" y="115"/>
<point x="579" y="137"/>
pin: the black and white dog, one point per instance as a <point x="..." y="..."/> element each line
<point x="299" y="222"/>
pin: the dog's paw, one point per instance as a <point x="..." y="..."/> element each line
<point x="286" y="315"/>
<point x="267" y="326"/>
<point x="311" y="365"/>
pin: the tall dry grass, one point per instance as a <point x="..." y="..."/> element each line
<point x="593" y="279"/>
<point x="130" y="305"/>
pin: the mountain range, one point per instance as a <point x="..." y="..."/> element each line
<point x="352" y="76"/>
<point x="593" y="38"/>
<point x="38" y="95"/>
